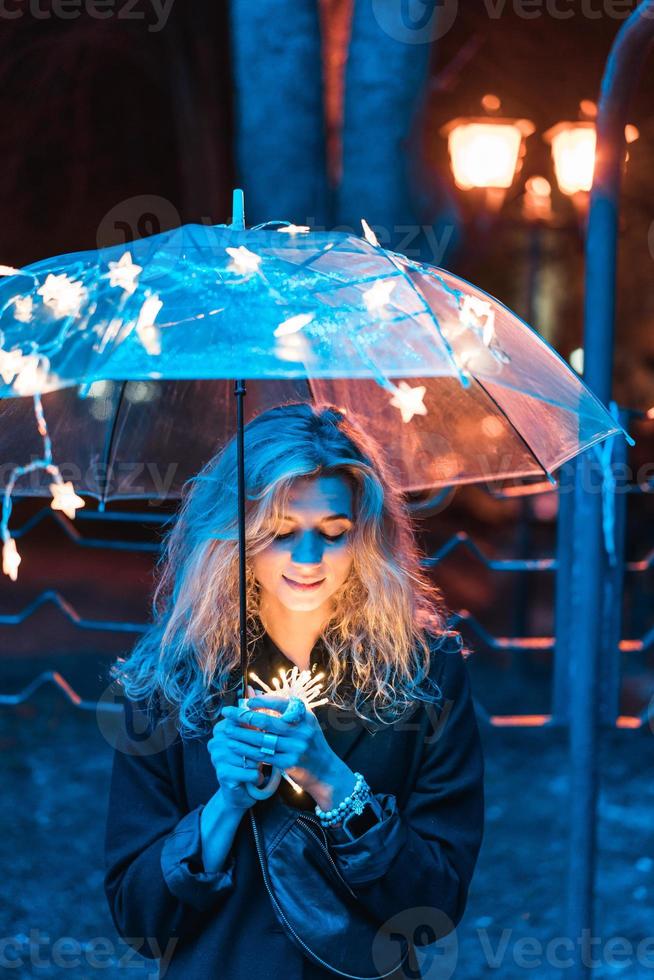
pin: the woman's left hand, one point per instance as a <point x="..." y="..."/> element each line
<point x="302" y="749"/>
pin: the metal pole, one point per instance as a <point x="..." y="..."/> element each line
<point x="238" y="222"/>
<point x="621" y="74"/>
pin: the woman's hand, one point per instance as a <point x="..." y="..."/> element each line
<point x="302" y="749"/>
<point x="227" y="759"/>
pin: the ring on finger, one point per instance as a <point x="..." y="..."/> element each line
<point x="269" y="743"/>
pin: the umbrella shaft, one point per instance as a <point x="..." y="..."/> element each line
<point x="239" y="391"/>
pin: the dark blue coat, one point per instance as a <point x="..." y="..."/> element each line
<point x="426" y="774"/>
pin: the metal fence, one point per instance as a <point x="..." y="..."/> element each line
<point x="81" y="534"/>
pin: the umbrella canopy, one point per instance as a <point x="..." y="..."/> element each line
<point x="454" y="384"/>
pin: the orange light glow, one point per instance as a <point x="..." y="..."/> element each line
<point x="537" y="200"/>
<point x="523" y="721"/>
<point x="485" y="152"/>
<point x="573" y="152"/>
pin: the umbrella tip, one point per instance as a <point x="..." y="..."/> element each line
<point x="238" y="209"/>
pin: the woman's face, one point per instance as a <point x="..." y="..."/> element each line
<point x="311" y="556"/>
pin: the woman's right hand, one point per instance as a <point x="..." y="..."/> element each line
<point x="232" y="770"/>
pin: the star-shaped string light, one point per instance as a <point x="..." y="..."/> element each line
<point x="478" y="313"/>
<point x="148" y="332"/>
<point x="124" y="273"/>
<point x="294" y="229"/>
<point x="378" y="296"/>
<point x="409" y="400"/>
<point x="63" y="493"/>
<point x="10" y="364"/>
<point x="243" y="261"/>
<point x="10" y="559"/>
<point x="293" y="324"/>
<point x="368" y="233"/>
<point x="23" y="308"/>
<point x="33" y="376"/>
<point x="62" y="295"/>
<point x="64" y="498"/>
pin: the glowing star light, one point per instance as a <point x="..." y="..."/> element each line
<point x="478" y="313"/>
<point x="64" y="498"/>
<point x="10" y="559"/>
<point x="294" y="229"/>
<point x="62" y="295"/>
<point x="243" y="261"/>
<point x="409" y="400"/>
<point x="368" y="233"/>
<point x="23" y="308"/>
<point x="293" y="324"/>
<point x="379" y="294"/>
<point x="8" y="270"/>
<point x="10" y="364"/>
<point x="148" y="332"/>
<point x="123" y="273"/>
<point x="33" y="376"/>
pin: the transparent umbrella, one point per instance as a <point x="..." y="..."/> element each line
<point x="130" y="355"/>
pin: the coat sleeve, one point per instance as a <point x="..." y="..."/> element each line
<point x="426" y="854"/>
<point x="154" y="877"/>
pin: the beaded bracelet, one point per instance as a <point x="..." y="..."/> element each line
<point x="354" y="803"/>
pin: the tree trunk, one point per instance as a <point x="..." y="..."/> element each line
<point x="279" y="119"/>
<point x="384" y="81"/>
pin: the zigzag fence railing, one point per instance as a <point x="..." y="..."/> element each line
<point x="460" y="619"/>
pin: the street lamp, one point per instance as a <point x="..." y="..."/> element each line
<point x="486" y="151"/>
<point x="573" y="153"/>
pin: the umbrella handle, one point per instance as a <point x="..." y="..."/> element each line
<point x="262" y="792"/>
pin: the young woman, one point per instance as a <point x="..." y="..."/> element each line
<point x="334" y="584"/>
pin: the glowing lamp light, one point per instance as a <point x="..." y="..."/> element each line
<point x="573" y="153"/>
<point x="537" y="200"/>
<point x="484" y="152"/>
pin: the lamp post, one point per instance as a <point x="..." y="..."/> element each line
<point x="486" y="156"/>
<point x="587" y="601"/>
<point x="589" y="158"/>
